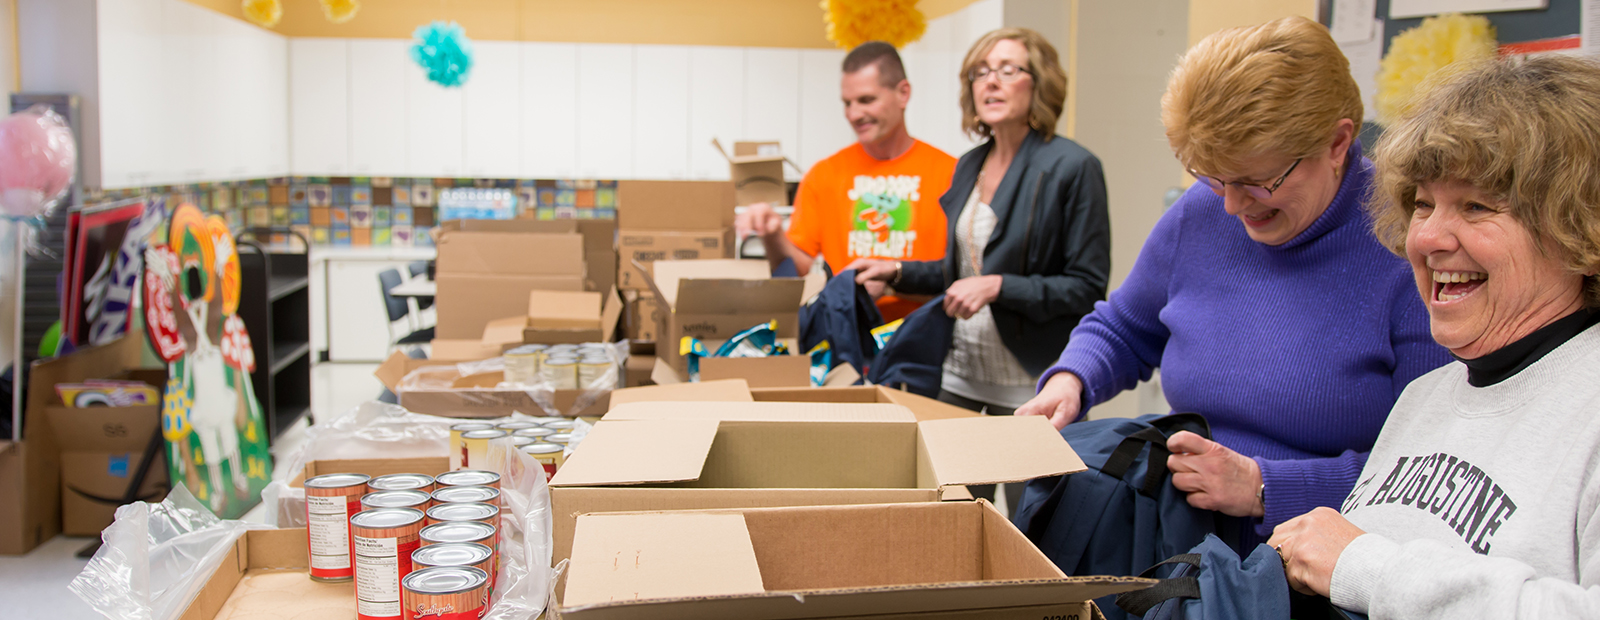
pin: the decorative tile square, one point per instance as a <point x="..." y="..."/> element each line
<point x="341" y="216"/>
<point x="258" y="196"/>
<point x="402" y="195"/>
<point x="341" y="237"/>
<point x="299" y="216"/>
<point x="545" y="213"/>
<point x="422" y="217"/>
<point x="382" y="196"/>
<point x="606" y="213"/>
<point x="378" y="182"/>
<point x="299" y="196"/>
<point x="320" y="235"/>
<point x="260" y="216"/>
<point x="303" y="230"/>
<point x="234" y="218"/>
<point x="547" y="196"/>
<point x="322" y="216"/>
<point x="583" y="198"/>
<point x="400" y="216"/>
<point x="586" y="214"/>
<point x="278" y="195"/>
<point x="360" y="195"/>
<point x="280" y="216"/>
<point x="380" y="237"/>
<point x="566" y="213"/>
<point x="528" y="197"/>
<point x="585" y="184"/>
<point x="361" y="216"/>
<point x="566" y="198"/>
<point x="421" y="195"/>
<point x="221" y="199"/>
<point x="360" y="237"/>
<point x="566" y="184"/>
<point x="341" y="195"/>
<point x="421" y="237"/>
<point x="321" y="195"/>
<point x="400" y="236"/>
<point x="381" y="216"/>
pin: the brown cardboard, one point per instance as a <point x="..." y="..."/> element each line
<point x="727" y="390"/>
<point x="715" y="299"/>
<point x="477" y="397"/>
<point x="674" y="205"/>
<point x="599" y="242"/>
<point x="961" y="559"/>
<point x="467" y="302"/>
<point x="102" y="449"/>
<point x="637" y="370"/>
<point x="775" y="371"/>
<point x="463" y="349"/>
<point x="922" y="407"/>
<point x="429" y="465"/>
<point x="756" y="169"/>
<point x="641" y="316"/>
<point x="657" y="456"/>
<point x="556" y="317"/>
<point x="639" y="249"/>
<point x="505" y="253"/>
<point x="264" y="576"/>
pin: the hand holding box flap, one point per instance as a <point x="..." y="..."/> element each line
<point x="642" y="557"/>
<point x="993" y="449"/>
<point x="639" y="452"/>
<point x="760" y="412"/>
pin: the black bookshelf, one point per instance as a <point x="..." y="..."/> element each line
<point x="275" y="304"/>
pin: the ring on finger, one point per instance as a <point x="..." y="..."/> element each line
<point x="1282" y="557"/>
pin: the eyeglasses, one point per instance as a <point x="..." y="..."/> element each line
<point x="1258" y="191"/>
<point x="1007" y="73"/>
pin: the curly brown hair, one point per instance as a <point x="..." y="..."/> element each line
<point x="1049" y="82"/>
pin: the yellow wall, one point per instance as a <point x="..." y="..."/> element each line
<point x="1208" y="16"/>
<point x="756" y="23"/>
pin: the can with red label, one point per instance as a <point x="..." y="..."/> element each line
<point x="446" y="593"/>
<point x="383" y="540"/>
<point x="465" y="532"/>
<point x="451" y="513"/>
<point x="401" y="482"/>
<point x="549" y="455"/>
<point x="397" y="499"/>
<point x="478" y="451"/>
<point x="516" y="425"/>
<point x="467" y="495"/>
<point x="330" y="502"/>
<point x="468" y="478"/>
<point x="476" y="555"/>
<point x="457" y="446"/>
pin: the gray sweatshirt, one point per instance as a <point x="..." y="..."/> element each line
<point x="1481" y="502"/>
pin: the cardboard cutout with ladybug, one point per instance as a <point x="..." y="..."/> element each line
<point x="216" y="434"/>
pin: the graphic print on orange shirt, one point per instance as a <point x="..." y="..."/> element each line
<point x="884" y="216"/>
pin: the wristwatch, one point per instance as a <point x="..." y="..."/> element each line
<point x="899" y="269"/>
<point x="1261" y="496"/>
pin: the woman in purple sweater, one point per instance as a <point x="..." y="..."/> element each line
<point x="1262" y="294"/>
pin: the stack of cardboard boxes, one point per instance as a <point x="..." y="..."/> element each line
<point x="666" y="220"/>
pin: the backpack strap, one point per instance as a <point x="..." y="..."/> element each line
<point x="1185" y="585"/>
<point x="1161" y="428"/>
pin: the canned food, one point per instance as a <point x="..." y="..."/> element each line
<point x="466" y="532"/>
<point x="446" y="593"/>
<point x="518" y="442"/>
<point x="467" y="495"/>
<point x="401" y="482"/>
<point x="476" y="555"/>
<point x="330" y="502"/>
<point x="537" y="433"/>
<point x="560" y="438"/>
<point x="561" y="372"/>
<point x="409" y="498"/>
<point x="522" y="364"/>
<point x="475" y="450"/>
<point x="516" y="425"/>
<point x="593" y="372"/>
<point x="455" y="440"/>
<point x="452" y="513"/>
<point x="550" y="455"/>
<point x="469" y="478"/>
<point x="560" y="425"/>
<point x="383" y="540"/>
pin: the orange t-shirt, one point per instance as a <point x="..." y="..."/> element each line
<point x="852" y="206"/>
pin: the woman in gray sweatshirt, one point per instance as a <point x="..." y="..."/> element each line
<point x="1481" y="498"/>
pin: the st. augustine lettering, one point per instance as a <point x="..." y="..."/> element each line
<point x="1455" y="491"/>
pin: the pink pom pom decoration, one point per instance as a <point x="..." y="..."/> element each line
<point x="37" y="160"/>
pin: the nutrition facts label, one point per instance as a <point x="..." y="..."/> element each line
<point x="377" y="577"/>
<point x="329" y="532"/>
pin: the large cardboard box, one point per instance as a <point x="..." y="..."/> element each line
<point x="692" y="455"/>
<point x="757" y="172"/>
<point x="467" y="302"/>
<point x="777" y="371"/>
<point x="482" y="276"/>
<point x="264" y="575"/>
<point x="556" y="317"/>
<point x="475" y="396"/>
<point x="641" y="316"/>
<point x="103" y="450"/>
<point x="715" y="299"/>
<point x="599" y="242"/>
<point x="30" y="469"/>
<point x="659" y="220"/>
<point x="938" y="560"/>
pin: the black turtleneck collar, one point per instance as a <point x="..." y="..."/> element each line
<point x="1511" y="359"/>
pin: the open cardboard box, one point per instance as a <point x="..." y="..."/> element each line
<point x="715" y="299"/>
<point x="485" y="275"/>
<point x="599" y="242"/>
<point x="264" y="576"/>
<point x="693" y="455"/>
<point x="556" y="317"/>
<point x="475" y="396"/>
<point x="102" y="451"/>
<point x="757" y="172"/>
<point x="681" y="220"/>
<point x="430" y="465"/>
<point x="936" y="560"/>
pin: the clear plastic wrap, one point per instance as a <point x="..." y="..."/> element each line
<point x="527" y="540"/>
<point x="542" y="393"/>
<point x="156" y="557"/>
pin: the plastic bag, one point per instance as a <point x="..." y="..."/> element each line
<point x="542" y="393"/>
<point x="156" y="557"/>
<point x="527" y="540"/>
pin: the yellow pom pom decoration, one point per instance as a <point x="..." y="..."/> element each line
<point x="853" y="22"/>
<point x="1419" y="53"/>
<point x="264" y="13"/>
<point x="340" y="11"/>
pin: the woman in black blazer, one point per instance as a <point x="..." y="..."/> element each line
<point x="1029" y="237"/>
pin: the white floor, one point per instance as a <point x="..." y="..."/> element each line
<point x="35" y="585"/>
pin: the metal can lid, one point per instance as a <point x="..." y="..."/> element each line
<point x="403" y="498"/>
<point x="400" y="482"/>
<point x="445" y="580"/>
<point x="520" y="441"/>
<point x="466" y="495"/>
<point x="467" y="478"/>
<point x="561" y="438"/>
<point x="493" y="433"/>
<point x="461" y="512"/>
<point x="543" y="447"/>
<point x="535" y="432"/>
<point x="457" y="531"/>
<point x="595" y="359"/>
<point x="560" y="424"/>
<point x="471" y="426"/>
<point x="527" y="349"/>
<point x="516" y="425"/>
<point x="385" y="518"/>
<point x="451" y="554"/>
<point x="561" y="360"/>
<point x="565" y="346"/>
<point x="336" y="481"/>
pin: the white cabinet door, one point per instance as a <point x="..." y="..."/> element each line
<point x="716" y="107"/>
<point x="319" y="106"/>
<point x="236" y="90"/>
<point x="549" y="115"/>
<point x="133" y="120"/>
<point x="772" y="99"/>
<point x="823" y="128"/>
<point x="605" y="111"/>
<point x="378" y="128"/>
<point x="433" y="127"/>
<point x="661" y="112"/>
<point x="192" y="66"/>
<point x="358" y="323"/>
<point x="269" y="107"/>
<point x="493" y="110"/>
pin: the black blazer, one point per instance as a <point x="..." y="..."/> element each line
<point x="1052" y="243"/>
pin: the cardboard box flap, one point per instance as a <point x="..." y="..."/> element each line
<point x="923" y="407"/>
<point x="640" y="452"/>
<point x="668" y="273"/>
<point x="510" y="253"/>
<point x="610" y="315"/>
<point x="768" y="295"/>
<point x="462" y="350"/>
<point x="961" y="450"/>
<point x="765" y="412"/>
<point x="731" y="390"/>
<point x="661" y="556"/>
<point x="505" y="331"/>
<point x="563" y="309"/>
<point x="674" y="205"/>
<point x="750" y="152"/>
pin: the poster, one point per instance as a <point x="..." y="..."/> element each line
<point x="216" y="434"/>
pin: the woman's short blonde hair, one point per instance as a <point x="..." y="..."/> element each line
<point x="1274" y="89"/>
<point x="1524" y="130"/>
<point x="1049" y="82"/>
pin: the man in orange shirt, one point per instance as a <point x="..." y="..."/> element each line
<point x="877" y="198"/>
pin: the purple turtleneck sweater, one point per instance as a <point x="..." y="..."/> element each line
<point x="1294" y="353"/>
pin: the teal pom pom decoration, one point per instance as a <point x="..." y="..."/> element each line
<point x="442" y="49"/>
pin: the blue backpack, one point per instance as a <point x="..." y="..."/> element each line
<point x="843" y="315"/>
<point x="1121" y="516"/>
<point x="913" y="360"/>
<point x="1210" y="583"/>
